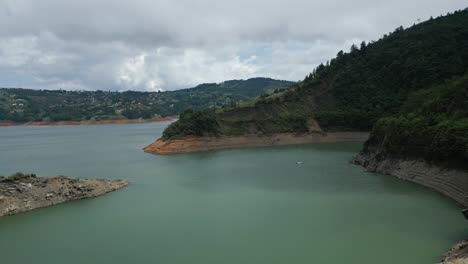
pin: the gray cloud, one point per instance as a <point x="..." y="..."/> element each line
<point x="167" y="44"/>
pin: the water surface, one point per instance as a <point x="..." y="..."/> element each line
<point x="235" y="206"/>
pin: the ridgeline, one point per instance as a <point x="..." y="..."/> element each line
<point x="409" y="83"/>
<point x="26" y="105"/>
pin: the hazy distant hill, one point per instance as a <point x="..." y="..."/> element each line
<point x="23" y="105"/>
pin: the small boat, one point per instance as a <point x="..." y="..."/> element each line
<point x="299" y="162"/>
<point x="465" y="213"/>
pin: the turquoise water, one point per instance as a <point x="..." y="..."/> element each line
<point x="234" y="206"/>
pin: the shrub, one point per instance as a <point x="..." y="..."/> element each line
<point x="196" y="123"/>
<point x="16" y="177"/>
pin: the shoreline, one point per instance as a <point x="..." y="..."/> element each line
<point x="191" y="144"/>
<point x="88" y="123"/>
<point x="450" y="183"/>
<point x="28" y="192"/>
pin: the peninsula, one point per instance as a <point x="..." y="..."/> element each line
<point x="24" y="192"/>
<point x="191" y="144"/>
<point x="409" y="89"/>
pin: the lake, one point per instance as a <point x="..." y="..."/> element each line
<point x="234" y="206"/>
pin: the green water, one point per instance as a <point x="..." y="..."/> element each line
<point x="236" y="206"/>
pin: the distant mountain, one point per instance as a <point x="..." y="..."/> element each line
<point x="25" y="105"/>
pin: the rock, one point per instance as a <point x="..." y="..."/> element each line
<point x="11" y="209"/>
<point x="452" y="183"/>
<point x="26" y="185"/>
<point x="458" y="254"/>
<point x="16" y="197"/>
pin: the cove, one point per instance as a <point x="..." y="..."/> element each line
<point x="233" y="206"/>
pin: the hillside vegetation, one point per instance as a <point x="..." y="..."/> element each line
<point x="24" y="105"/>
<point x="408" y="83"/>
<point x="355" y="89"/>
<point x="196" y="123"/>
<point x="432" y="124"/>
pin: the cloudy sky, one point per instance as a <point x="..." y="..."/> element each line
<point x="172" y="44"/>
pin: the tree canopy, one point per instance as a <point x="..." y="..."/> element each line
<point x="410" y="84"/>
<point x="24" y="105"/>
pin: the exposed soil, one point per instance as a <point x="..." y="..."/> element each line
<point x="198" y="144"/>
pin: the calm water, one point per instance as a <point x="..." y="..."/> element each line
<point x="236" y="206"/>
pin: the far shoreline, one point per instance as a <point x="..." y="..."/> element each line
<point x="88" y="123"/>
<point x="192" y="144"/>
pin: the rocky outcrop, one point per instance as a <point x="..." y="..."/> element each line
<point x="29" y="193"/>
<point x="458" y="254"/>
<point x="450" y="182"/>
<point x="198" y="144"/>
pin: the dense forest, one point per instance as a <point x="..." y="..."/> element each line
<point x="355" y="89"/>
<point x="408" y="83"/>
<point x="432" y="124"/>
<point x="196" y="123"/>
<point x="24" y="105"/>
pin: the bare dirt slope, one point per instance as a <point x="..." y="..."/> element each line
<point x="198" y="144"/>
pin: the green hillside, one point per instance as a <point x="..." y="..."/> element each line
<point x="24" y="105"/>
<point x="432" y="124"/>
<point x="355" y="89"/>
<point x="395" y="78"/>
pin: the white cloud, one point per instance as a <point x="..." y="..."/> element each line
<point x="181" y="68"/>
<point x="167" y="44"/>
<point x="132" y="72"/>
<point x="23" y="51"/>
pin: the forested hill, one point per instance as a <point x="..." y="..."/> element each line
<point x="24" y="105"/>
<point x="432" y="124"/>
<point x="354" y="89"/>
<point x="371" y="81"/>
